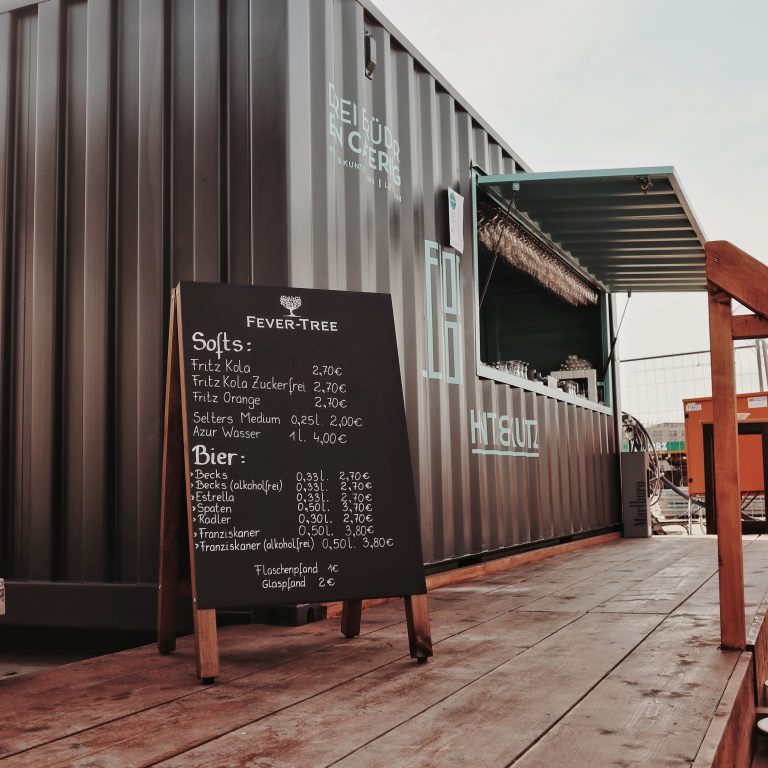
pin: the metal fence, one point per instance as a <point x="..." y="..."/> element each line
<point x="653" y="388"/>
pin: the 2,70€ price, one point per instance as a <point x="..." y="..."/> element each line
<point x="330" y="402"/>
<point x="327" y="370"/>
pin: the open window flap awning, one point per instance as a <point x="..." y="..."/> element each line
<point x="629" y="228"/>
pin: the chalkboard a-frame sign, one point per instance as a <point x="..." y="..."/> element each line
<point x="286" y="465"/>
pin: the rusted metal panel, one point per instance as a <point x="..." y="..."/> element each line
<point x="143" y="143"/>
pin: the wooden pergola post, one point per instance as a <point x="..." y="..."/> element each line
<point x="731" y="274"/>
<point x="733" y="630"/>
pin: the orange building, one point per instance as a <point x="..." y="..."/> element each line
<point x="751" y="407"/>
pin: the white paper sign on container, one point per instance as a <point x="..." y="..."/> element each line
<point x="455" y="220"/>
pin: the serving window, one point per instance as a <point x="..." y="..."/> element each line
<point x="542" y="325"/>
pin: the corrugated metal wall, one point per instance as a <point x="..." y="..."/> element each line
<point x="146" y="142"/>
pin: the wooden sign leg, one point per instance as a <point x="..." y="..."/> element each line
<point x="168" y="583"/>
<point x="419" y="633"/>
<point x="206" y="644"/>
<point x="172" y="504"/>
<point x="350" y="617"/>
<point x="176" y="501"/>
<point x="204" y="620"/>
<point x="417" y="619"/>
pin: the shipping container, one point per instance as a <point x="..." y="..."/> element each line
<point x="302" y="143"/>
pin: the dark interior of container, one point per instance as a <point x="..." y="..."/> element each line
<point x="522" y="320"/>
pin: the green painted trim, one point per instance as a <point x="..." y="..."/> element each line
<point x="600" y="173"/>
<point x="677" y="185"/>
<point x="605" y="309"/>
<point x="475" y="272"/>
<point x="486" y="372"/>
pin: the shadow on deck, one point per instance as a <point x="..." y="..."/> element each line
<point x="606" y="656"/>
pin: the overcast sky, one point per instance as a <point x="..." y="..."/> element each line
<point x="572" y="84"/>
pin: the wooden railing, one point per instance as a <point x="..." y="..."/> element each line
<point x="731" y="274"/>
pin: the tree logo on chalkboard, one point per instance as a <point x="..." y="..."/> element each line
<point x="291" y="303"/>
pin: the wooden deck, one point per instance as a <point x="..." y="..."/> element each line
<point x="603" y="657"/>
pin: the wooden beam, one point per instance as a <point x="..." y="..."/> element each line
<point x="738" y="274"/>
<point x="749" y="327"/>
<point x="726" y="460"/>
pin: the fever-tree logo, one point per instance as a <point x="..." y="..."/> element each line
<point x="291" y="303"/>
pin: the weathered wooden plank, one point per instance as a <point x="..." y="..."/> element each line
<point x="586" y="562"/>
<point x="150" y="735"/>
<point x="249" y="649"/>
<point x="504" y="676"/>
<point x="109" y="687"/>
<point x="485" y="723"/>
<point x="589" y="593"/>
<point x="385" y="697"/>
<point x="668" y="588"/>
<point x="755" y="580"/>
<point x="730" y="736"/>
<point x="503" y="564"/>
<point x="139" y="684"/>
<point x="704" y="602"/>
<point x="584" y="552"/>
<point x="539" y="580"/>
<point x="62" y="680"/>
<point x="757" y="640"/>
<point x="164" y="731"/>
<point x="652" y="709"/>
